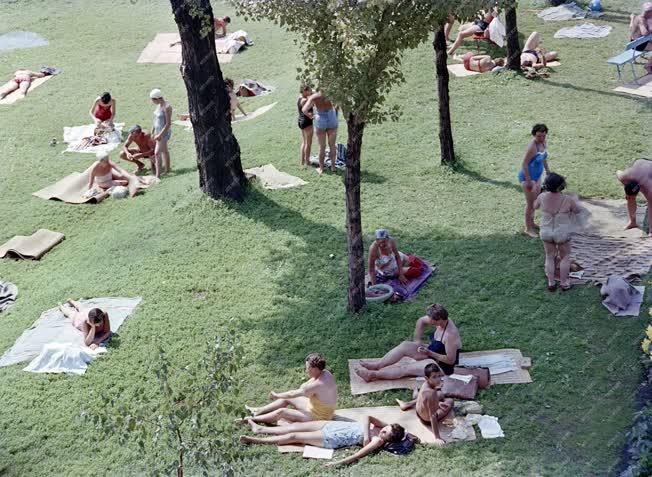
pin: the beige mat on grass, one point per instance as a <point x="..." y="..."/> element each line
<point x="604" y="249"/>
<point x="272" y="178"/>
<point x="160" y="51"/>
<point x="71" y="189"/>
<point x="458" y="69"/>
<point x="17" y="95"/>
<point x="643" y="88"/>
<point x="33" y="246"/>
<point x="520" y="376"/>
<point x="239" y="118"/>
<point x="408" y="419"/>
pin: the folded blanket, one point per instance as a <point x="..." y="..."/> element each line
<point x="54" y="327"/>
<point x="586" y="30"/>
<point x="340" y="161"/>
<point x="8" y="294"/>
<point x="83" y="139"/>
<point x="34" y="246"/>
<point x="621" y="298"/>
<point x="272" y="178"/>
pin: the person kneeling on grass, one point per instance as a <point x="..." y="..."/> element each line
<point x="385" y="261"/>
<point x="145" y="150"/>
<point x="431" y="405"/>
<point x="373" y="435"/>
<point x="93" y="323"/>
<point x="315" y="400"/>
<point x="445" y="350"/>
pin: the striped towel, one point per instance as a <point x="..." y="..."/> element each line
<point x="8" y="293"/>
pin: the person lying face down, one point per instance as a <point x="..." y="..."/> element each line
<point x="444" y="349"/>
<point x="93" y="323"/>
<point x="385" y="260"/>
<point x="637" y="178"/>
<point x="432" y="406"/>
<point x="315" y="400"/>
<point x="373" y="435"/>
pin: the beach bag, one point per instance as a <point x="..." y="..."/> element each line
<point x="456" y="389"/>
<point x="483" y="375"/>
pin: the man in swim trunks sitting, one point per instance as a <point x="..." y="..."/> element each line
<point x="431" y="405"/>
<point x="145" y="148"/>
<point x="315" y="400"/>
<point x="637" y="178"/>
<point x="444" y="349"/>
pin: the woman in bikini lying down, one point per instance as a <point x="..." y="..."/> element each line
<point x="22" y="80"/>
<point x="373" y="435"/>
<point x="93" y="323"/>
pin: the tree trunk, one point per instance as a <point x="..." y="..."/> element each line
<point x="445" y="128"/>
<point x="218" y="151"/>
<point x="513" y="45"/>
<point x="357" y="295"/>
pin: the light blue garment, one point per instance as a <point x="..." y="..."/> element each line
<point x="338" y="434"/>
<point x="15" y="40"/>
<point x="326" y="119"/>
<point x="159" y="121"/>
<point x="535" y="166"/>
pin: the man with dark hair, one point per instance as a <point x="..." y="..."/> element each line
<point x="444" y="349"/>
<point x="634" y="179"/>
<point x="145" y="148"/>
<point x="315" y="400"/>
<point x="431" y="405"/>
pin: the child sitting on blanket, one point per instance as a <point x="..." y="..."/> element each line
<point x="93" y="323"/>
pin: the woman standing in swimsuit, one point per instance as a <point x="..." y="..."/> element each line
<point x="561" y="214"/>
<point x="22" y="81"/>
<point x="325" y="122"/>
<point x="305" y="125"/>
<point x="161" y="131"/>
<point x="372" y="435"/>
<point x="534" y="163"/>
<point x="103" y="109"/>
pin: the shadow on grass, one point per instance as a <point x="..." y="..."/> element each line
<point x="462" y="169"/>
<point x="639" y="99"/>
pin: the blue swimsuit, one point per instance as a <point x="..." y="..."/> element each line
<point x="535" y="166"/>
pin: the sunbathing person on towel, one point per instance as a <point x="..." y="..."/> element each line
<point x="432" y="405"/>
<point x="385" y="261"/>
<point x="444" y="349"/>
<point x="533" y="56"/>
<point x="315" y="400"/>
<point x="103" y="109"/>
<point x="637" y="178"/>
<point x="145" y="149"/>
<point x="106" y="174"/>
<point x="481" y="63"/>
<point x="22" y="80"/>
<point x="93" y="323"/>
<point x="373" y="435"/>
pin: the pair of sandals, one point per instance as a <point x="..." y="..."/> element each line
<point x="552" y="288"/>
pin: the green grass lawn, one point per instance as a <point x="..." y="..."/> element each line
<point x="262" y="268"/>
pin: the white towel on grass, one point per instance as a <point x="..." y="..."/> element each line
<point x="73" y="136"/>
<point x="584" y="31"/>
<point x="63" y="358"/>
<point x="497" y="363"/>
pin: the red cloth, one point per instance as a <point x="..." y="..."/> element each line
<point x="415" y="267"/>
<point x="103" y="113"/>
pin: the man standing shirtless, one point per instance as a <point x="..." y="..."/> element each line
<point x="431" y="405"/>
<point x="315" y="400"/>
<point x="637" y="178"/>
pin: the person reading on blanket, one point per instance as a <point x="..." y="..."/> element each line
<point x="479" y="26"/>
<point x="444" y="349"/>
<point x="431" y="405"/>
<point x="385" y="261"/>
<point x="481" y="63"/>
<point x="373" y="435"/>
<point x="315" y="400"/>
<point x="93" y="323"/>
<point x="233" y="98"/>
<point x="144" y="150"/>
<point x="21" y="81"/>
<point x="106" y="174"/>
<point x="637" y="178"/>
<point x="639" y="26"/>
<point x="103" y="109"/>
<point x="561" y="214"/>
<point x="533" y="56"/>
<point x="325" y="123"/>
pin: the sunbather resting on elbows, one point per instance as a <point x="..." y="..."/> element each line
<point x="444" y="349"/>
<point x="315" y="400"/>
<point x="93" y="323"/>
